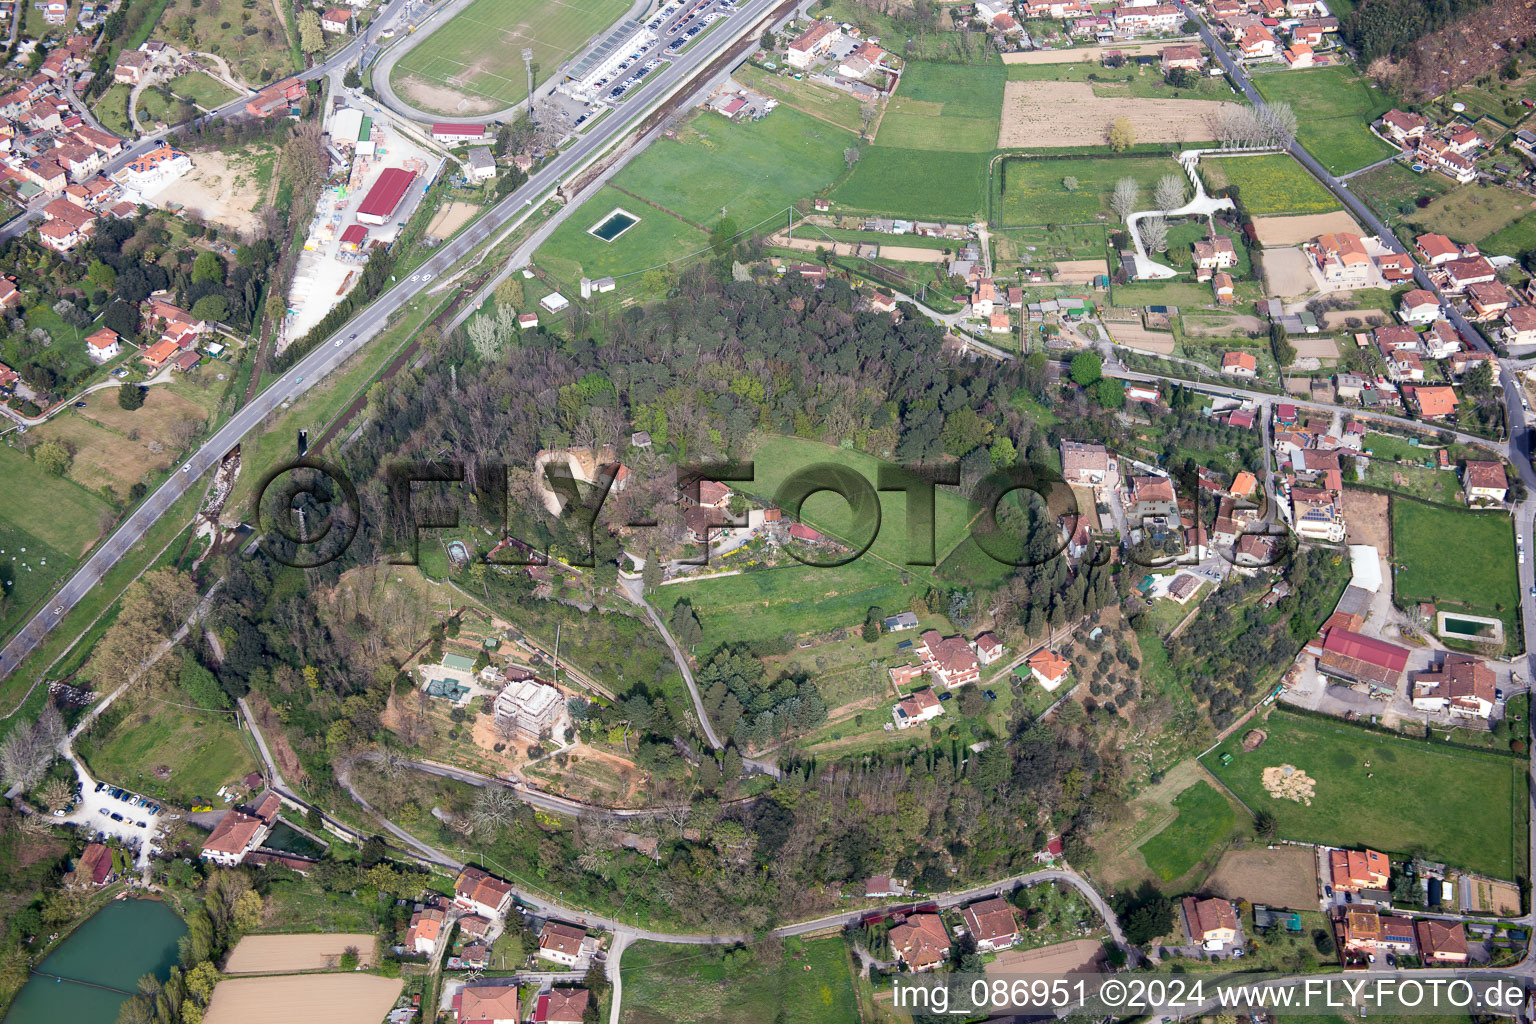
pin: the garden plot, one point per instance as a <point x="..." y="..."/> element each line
<point x="1046" y="114"/>
<point x="1135" y="336"/>
<point x="1315" y="346"/>
<point x="1080" y="271"/>
<point x="1295" y="230"/>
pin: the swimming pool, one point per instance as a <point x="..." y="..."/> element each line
<point x="613" y="225"/>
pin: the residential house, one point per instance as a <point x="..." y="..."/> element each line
<point x="103" y="345"/>
<point x="1353" y="870"/>
<point x="983" y="297"/>
<point x="1404" y="128"/>
<point x="922" y="706"/>
<point x="1257" y="43"/>
<point x="1434" y="402"/>
<point x="1462" y="685"/>
<point x="1419" y="307"/>
<point x="159" y="354"/>
<point x="1361" y="930"/>
<point x="1484" y="481"/>
<point x="131" y="67"/>
<point x="336" y="21"/>
<point x="1152" y="496"/>
<point x="487" y="1004"/>
<point x="1087" y="464"/>
<point x="1439" y="154"/>
<point x="10" y="295"/>
<point x="1299" y="55"/>
<point x="482" y="893"/>
<point x="1135" y="21"/>
<point x="1488" y="299"/>
<point x="233" y="837"/>
<point x="1211" y="923"/>
<point x="1214" y="253"/>
<point x="65" y="225"/>
<point x="561" y="1006"/>
<point x="1519" y="326"/>
<point x="880" y="302"/>
<point x="1340" y="258"/>
<point x="1460" y="273"/>
<point x="561" y="943"/>
<point x="154" y="169"/>
<point x="1437" y="249"/>
<point x="1240" y="364"/>
<point x="1396" y="935"/>
<point x="1049" y="668"/>
<point x="1186" y="56"/>
<point x="949" y="659"/>
<point x="280" y="97"/>
<point x="921" y="941"/>
<point x="1442" y="941"/>
<point x="425" y="929"/>
<point x="1223" y="288"/>
<point x="1395" y="266"/>
<point x="991" y="924"/>
<point x="1465" y="140"/>
<point x="814" y="42"/>
<point x="879" y="887"/>
<point x="1441" y="340"/>
<point x="988" y="648"/>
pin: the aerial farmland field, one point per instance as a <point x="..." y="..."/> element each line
<point x="471" y="64"/>
<point x="1269" y="185"/>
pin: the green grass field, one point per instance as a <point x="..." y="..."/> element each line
<point x="28" y="538"/>
<point x="1032" y="190"/>
<point x="202" y="89"/>
<point x="695" y="985"/>
<point x="754" y="170"/>
<point x="1269" y="185"/>
<point x="952" y="108"/>
<point x="1334" y="108"/>
<point x="1472" y="211"/>
<point x="1388" y="188"/>
<point x="1450" y="804"/>
<point x="203" y="751"/>
<point x="1514" y="239"/>
<point x="804" y="95"/>
<point x="916" y="183"/>
<point x="677" y="188"/>
<point x="476" y="52"/>
<point x="1205" y="818"/>
<point x="795" y="599"/>
<point x="1455" y="556"/>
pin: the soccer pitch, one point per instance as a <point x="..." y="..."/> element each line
<point x="472" y="63"/>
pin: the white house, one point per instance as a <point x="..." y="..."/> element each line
<point x="103" y="345"/>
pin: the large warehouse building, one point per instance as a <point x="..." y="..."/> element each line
<point x="384" y="197"/>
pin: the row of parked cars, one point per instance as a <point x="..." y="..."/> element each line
<point x="150" y="807"/>
<point x="721" y="10"/>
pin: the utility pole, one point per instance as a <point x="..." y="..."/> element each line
<point x="528" y="64"/>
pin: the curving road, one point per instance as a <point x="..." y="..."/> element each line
<point x="337" y="349"/>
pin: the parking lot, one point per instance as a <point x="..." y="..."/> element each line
<point x="109" y="811"/>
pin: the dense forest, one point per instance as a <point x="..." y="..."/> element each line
<point x="1389" y="28"/>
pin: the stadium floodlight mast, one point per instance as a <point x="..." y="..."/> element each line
<point x="528" y="64"/>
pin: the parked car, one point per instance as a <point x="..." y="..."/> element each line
<point x="117" y="817"/>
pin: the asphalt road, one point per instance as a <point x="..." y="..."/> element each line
<point x="336" y="350"/>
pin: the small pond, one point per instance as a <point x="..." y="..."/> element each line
<point x="87" y="978"/>
<point x="287" y="839"/>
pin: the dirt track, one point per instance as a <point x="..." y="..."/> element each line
<point x="1047" y="114"/>
<point x="1295" y="230"/>
<point x="276" y="954"/>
